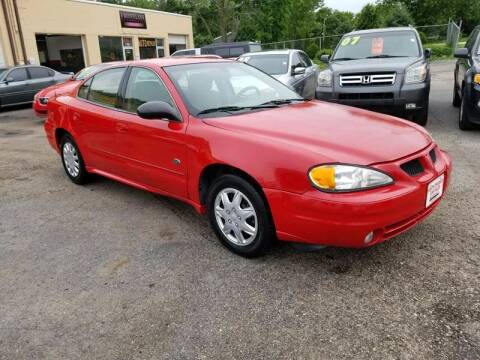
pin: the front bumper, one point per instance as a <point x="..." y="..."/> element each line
<point x="344" y="220"/>
<point x="385" y="99"/>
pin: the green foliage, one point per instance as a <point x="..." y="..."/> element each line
<point x="439" y="50"/>
<point x="368" y="18"/>
<point x="312" y="49"/>
<point x="423" y="37"/>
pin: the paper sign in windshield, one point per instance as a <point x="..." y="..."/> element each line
<point x="377" y="46"/>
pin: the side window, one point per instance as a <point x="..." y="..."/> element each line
<point x="104" y="87"/>
<point x="18" y="74"/>
<point x="144" y="86"/>
<point x="39" y="73"/>
<point x="471" y="40"/>
<point x="237" y="51"/>
<point x="296" y="60"/>
<point x="83" y="91"/>
<point x="305" y="59"/>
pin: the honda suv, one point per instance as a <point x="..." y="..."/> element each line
<point x="384" y="70"/>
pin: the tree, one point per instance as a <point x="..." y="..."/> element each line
<point x="368" y="18"/>
<point x="395" y="14"/>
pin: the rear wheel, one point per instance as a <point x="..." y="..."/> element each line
<point x="73" y="161"/>
<point x="239" y="216"/>
<point x="463" y="121"/>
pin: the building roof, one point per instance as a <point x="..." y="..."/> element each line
<point x="134" y="9"/>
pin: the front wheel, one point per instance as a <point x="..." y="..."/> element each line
<point x="239" y="216"/>
<point x="457" y="100"/>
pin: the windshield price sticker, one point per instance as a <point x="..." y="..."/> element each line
<point x="377" y="46"/>
<point x="350" y="40"/>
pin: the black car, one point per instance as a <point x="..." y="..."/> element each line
<point x="18" y="85"/>
<point x="466" y="90"/>
<point x="384" y="70"/>
<point x="232" y="49"/>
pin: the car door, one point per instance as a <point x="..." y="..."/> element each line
<point x="155" y="150"/>
<point x="15" y="89"/>
<point x="40" y="78"/>
<point x="311" y="74"/>
<point x="93" y="115"/>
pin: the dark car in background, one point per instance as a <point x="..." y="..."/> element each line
<point x="384" y="70"/>
<point x="466" y="89"/>
<point x="231" y="49"/>
<point x="292" y="67"/>
<point x="18" y="85"/>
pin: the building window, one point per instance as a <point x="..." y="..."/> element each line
<point x="127" y="48"/>
<point x="160" y="48"/>
<point x="111" y="48"/>
<point x="148" y="48"/>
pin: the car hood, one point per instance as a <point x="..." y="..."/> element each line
<point x="397" y="65"/>
<point x="335" y="132"/>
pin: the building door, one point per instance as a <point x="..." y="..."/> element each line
<point x="61" y="52"/>
<point x="148" y="48"/>
<point x="177" y="42"/>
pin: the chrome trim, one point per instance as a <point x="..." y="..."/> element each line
<point x="368" y="79"/>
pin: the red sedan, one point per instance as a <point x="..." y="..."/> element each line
<point x="237" y="144"/>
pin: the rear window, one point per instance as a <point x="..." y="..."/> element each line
<point x="270" y="64"/>
<point x="379" y="44"/>
<point x="39" y="72"/>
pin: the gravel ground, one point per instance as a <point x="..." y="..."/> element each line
<point x="105" y="271"/>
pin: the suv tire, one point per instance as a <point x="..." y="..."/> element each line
<point x="463" y="121"/>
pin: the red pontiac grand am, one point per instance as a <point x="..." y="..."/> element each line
<point x="237" y="144"/>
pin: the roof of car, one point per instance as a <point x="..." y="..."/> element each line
<point x="271" y="52"/>
<point x="172" y="61"/>
<point x="372" y="31"/>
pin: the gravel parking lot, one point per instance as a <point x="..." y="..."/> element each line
<point x="106" y="271"/>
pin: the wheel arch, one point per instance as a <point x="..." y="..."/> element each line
<point x="59" y="134"/>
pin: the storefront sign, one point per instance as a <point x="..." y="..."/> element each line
<point x="133" y="20"/>
<point x="142" y="42"/>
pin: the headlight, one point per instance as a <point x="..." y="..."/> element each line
<point x="43" y="100"/>
<point x="476" y="79"/>
<point x="416" y="74"/>
<point x="344" y="178"/>
<point x="325" y="78"/>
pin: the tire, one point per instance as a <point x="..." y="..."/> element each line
<point x="72" y="161"/>
<point x="457" y="100"/>
<point x="421" y="117"/>
<point x="463" y="121"/>
<point x="229" y="220"/>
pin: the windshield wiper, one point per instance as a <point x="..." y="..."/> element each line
<point x="236" y="108"/>
<point x="384" y="56"/>
<point x="281" y="102"/>
<point x="345" y="59"/>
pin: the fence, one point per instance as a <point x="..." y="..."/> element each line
<point x="442" y="34"/>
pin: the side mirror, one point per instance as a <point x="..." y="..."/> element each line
<point x="427" y="53"/>
<point x="325" y="59"/>
<point x="157" y="110"/>
<point x="298" y="71"/>
<point x="461" y="53"/>
<point x="9" y="80"/>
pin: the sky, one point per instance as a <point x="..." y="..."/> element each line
<point x="348" y="5"/>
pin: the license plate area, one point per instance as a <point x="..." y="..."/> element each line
<point x="434" y="190"/>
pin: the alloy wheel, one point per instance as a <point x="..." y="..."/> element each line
<point x="71" y="160"/>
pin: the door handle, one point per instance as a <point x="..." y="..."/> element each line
<point x="121" y="128"/>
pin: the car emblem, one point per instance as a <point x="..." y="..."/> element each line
<point x="366" y="79"/>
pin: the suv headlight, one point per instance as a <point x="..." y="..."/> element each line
<point x="416" y="74"/>
<point x="325" y="78"/>
<point x="345" y="178"/>
<point x="476" y="79"/>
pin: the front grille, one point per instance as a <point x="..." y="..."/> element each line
<point x="433" y="155"/>
<point x="413" y="167"/>
<point x="366" y="96"/>
<point x="378" y="79"/>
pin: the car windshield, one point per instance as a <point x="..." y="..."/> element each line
<point x="269" y="63"/>
<point x="83" y="74"/>
<point x="228" y="87"/>
<point x="2" y="72"/>
<point x="378" y="45"/>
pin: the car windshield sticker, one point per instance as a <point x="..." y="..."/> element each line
<point x="377" y="46"/>
<point x="350" y="40"/>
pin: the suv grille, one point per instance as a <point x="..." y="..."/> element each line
<point x="413" y="167"/>
<point x="365" y="96"/>
<point x="368" y="79"/>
